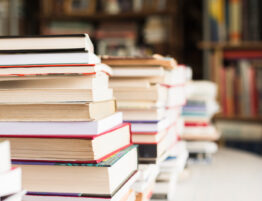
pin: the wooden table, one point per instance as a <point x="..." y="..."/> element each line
<point x="232" y="176"/>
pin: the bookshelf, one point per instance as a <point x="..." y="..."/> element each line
<point x="140" y="45"/>
<point x="232" y="59"/>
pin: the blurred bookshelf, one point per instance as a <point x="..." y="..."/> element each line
<point x="232" y="57"/>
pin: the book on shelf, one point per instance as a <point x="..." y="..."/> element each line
<point x="234" y="20"/>
<point x="72" y="148"/>
<point x="103" y="179"/>
<point x="240" y="88"/>
<point x="46" y="43"/>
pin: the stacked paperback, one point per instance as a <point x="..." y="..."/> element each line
<point x="59" y="114"/>
<point x="197" y="113"/>
<point x="170" y="171"/>
<point x="150" y="93"/>
<point x="10" y="178"/>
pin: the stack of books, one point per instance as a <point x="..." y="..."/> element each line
<point x="150" y="92"/>
<point x="197" y="113"/>
<point x="60" y="116"/>
<point x="145" y="184"/>
<point x="170" y="171"/>
<point x="10" y="178"/>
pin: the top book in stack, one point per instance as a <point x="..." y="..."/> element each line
<point x="46" y="43"/>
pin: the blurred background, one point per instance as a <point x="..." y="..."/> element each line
<point x="219" y="39"/>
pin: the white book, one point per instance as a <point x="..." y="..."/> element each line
<point x="61" y="128"/>
<point x="5" y="159"/>
<point x="49" y="58"/>
<point x="10" y="182"/>
<point x="14" y="197"/>
<point x="148" y="126"/>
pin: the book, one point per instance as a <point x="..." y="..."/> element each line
<point x="5" y="159"/>
<point x="10" y="182"/>
<point x="144" y="138"/>
<point x="53" y="69"/>
<point x="14" y="197"/>
<point x="156" y="150"/>
<point x="60" y="128"/>
<point x="62" y="111"/>
<point x="149" y="126"/>
<point x="46" y="43"/>
<point x="138" y="71"/>
<point x="143" y="114"/>
<point x="53" y="95"/>
<point x="96" y="180"/>
<point x="122" y="194"/>
<point x="153" y="93"/>
<point x="97" y="81"/>
<point x="81" y="149"/>
<point x="167" y="63"/>
<point x="203" y="133"/>
<point x="144" y="188"/>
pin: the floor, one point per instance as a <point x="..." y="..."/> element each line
<point x="231" y="176"/>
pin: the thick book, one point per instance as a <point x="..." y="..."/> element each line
<point x="23" y="59"/>
<point x="150" y="137"/>
<point x="122" y="193"/>
<point x="53" y="70"/>
<point x="10" y="182"/>
<point x="149" y="126"/>
<point x="52" y="95"/>
<point x="97" y="180"/>
<point x="82" y="149"/>
<point x="46" y="43"/>
<point x="153" y="93"/>
<point x="156" y="150"/>
<point x="60" y="128"/>
<point x="96" y="81"/>
<point x="5" y="159"/>
<point x="139" y="71"/>
<point x="130" y="114"/>
<point x="166" y="62"/>
<point x="70" y="111"/>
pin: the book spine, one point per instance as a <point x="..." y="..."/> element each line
<point x="235" y="21"/>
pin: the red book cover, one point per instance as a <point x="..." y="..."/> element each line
<point x="223" y="91"/>
<point x="253" y="92"/>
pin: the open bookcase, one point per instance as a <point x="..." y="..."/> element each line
<point x="232" y="57"/>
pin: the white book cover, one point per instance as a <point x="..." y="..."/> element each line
<point x="10" y="182"/>
<point x="49" y="58"/>
<point x="5" y="159"/>
<point x="61" y="128"/>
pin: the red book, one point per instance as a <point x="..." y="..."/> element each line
<point x="253" y="92"/>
